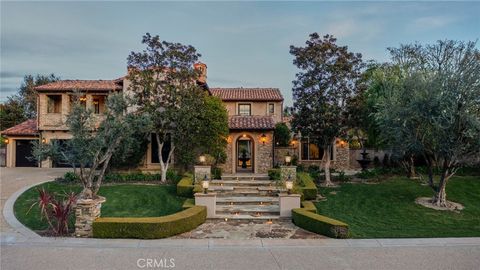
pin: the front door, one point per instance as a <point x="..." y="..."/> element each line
<point x="245" y="155"/>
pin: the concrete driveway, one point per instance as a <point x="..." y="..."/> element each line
<point x="13" y="179"/>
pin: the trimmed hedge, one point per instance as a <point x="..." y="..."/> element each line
<point x="185" y="187"/>
<point x="188" y="203"/>
<point x="307" y="187"/>
<point x="309" y="221"/>
<point x="150" y="227"/>
<point x="309" y="206"/>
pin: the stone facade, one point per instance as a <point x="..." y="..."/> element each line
<point x="86" y="212"/>
<point x="262" y="151"/>
<point x="281" y="152"/>
<point x="201" y="171"/>
<point x="287" y="172"/>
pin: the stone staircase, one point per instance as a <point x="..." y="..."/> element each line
<point x="246" y="196"/>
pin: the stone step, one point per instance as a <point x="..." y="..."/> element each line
<point x="243" y="182"/>
<point x="247" y="208"/>
<point x="247" y="200"/>
<point x="245" y="177"/>
<point x="246" y="193"/>
<point x="251" y="217"/>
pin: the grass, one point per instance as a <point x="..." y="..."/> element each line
<point x="122" y="201"/>
<point x="388" y="209"/>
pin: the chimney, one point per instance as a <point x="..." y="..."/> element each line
<point x="203" y="71"/>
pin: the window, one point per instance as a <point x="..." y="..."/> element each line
<point x="271" y="108"/>
<point x="244" y="109"/>
<point x="54" y="104"/>
<point x="98" y="104"/>
<point x="311" y="151"/>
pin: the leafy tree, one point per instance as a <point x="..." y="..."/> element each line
<point x="282" y="134"/>
<point x="327" y="78"/>
<point x="164" y="87"/>
<point x="434" y="109"/>
<point x="93" y="144"/>
<point x="28" y="96"/>
<point x="11" y="113"/>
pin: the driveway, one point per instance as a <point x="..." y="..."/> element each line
<point x="13" y="179"/>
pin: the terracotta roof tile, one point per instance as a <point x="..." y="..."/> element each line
<point x="247" y="94"/>
<point x="103" y="85"/>
<point x="26" y="128"/>
<point x="251" y="122"/>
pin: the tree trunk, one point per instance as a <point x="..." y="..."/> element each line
<point x="440" y="198"/>
<point x="164" y="165"/>
<point x="328" y="181"/>
<point x="411" y="167"/>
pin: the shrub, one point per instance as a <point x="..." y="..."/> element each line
<point x="342" y="177"/>
<point x="274" y="174"/>
<point x="216" y="173"/>
<point x="150" y="227"/>
<point x="319" y="224"/>
<point x="306" y="187"/>
<point x="188" y="203"/>
<point x="173" y="177"/>
<point x="309" y="206"/>
<point x="70" y="177"/>
<point x="185" y="187"/>
<point x="282" y="134"/>
<point x="314" y="171"/>
<point x="131" y="177"/>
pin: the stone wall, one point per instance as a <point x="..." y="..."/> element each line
<point x="281" y="152"/>
<point x="86" y="212"/>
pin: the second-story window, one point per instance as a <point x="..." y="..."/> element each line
<point x="271" y="108"/>
<point x="54" y="104"/>
<point x="244" y="109"/>
<point x="98" y="104"/>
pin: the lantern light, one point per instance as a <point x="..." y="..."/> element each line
<point x="289" y="184"/>
<point x="263" y="139"/>
<point x="202" y="159"/>
<point x="44" y="140"/>
<point x="205" y="184"/>
<point x="288" y="159"/>
<point x="6" y="141"/>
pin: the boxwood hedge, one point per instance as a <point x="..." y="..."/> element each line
<point x="150" y="227"/>
<point x="306" y="187"/>
<point x="309" y="221"/>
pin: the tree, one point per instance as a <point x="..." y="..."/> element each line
<point x="28" y="96"/>
<point x="11" y="113"/>
<point x="92" y="145"/>
<point x="164" y="86"/>
<point x="282" y="134"/>
<point x="327" y="78"/>
<point x="435" y="109"/>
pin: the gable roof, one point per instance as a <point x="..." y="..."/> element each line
<point x="247" y="94"/>
<point x="251" y="122"/>
<point x="99" y="85"/>
<point x="26" y="128"/>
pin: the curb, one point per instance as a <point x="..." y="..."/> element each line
<point x="9" y="214"/>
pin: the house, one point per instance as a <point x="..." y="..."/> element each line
<point x="252" y="116"/>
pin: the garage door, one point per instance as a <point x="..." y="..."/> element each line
<point x="23" y="154"/>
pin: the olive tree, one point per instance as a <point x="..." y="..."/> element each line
<point x="434" y="108"/>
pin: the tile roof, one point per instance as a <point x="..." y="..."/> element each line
<point x="103" y="85"/>
<point x="28" y="127"/>
<point x="247" y="94"/>
<point x="251" y="122"/>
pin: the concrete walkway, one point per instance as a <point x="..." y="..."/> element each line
<point x="22" y="249"/>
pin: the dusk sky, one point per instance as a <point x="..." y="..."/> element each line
<point x="243" y="44"/>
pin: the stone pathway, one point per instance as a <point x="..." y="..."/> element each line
<point x="248" y="229"/>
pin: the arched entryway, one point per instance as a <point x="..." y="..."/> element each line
<point x="245" y="154"/>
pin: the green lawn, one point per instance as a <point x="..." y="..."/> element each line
<point x="122" y="201"/>
<point x="388" y="209"/>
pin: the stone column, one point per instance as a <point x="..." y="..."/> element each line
<point x="200" y="171"/>
<point x="209" y="200"/>
<point x="86" y="211"/>
<point x="287" y="203"/>
<point x="286" y="171"/>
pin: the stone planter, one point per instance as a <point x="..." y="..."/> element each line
<point x="86" y="211"/>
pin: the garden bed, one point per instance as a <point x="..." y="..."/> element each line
<point x="123" y="200"/>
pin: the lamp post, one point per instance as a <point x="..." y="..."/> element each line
<point x="205" y="184"/>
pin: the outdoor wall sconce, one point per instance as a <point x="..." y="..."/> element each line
<point x="288" y="159"/>
<point x="202" y="159"/>
<point x="6" y="141"/>
<point x="289" y="184"/>
<point x="205" y="184"/>
<point x="44" y="140"/>
<point x="263" y="139"/>
<point x="83" y="99"/>
<point x="244" y="135"/>
<point x="293" y="143"/>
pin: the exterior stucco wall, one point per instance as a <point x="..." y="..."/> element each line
<point x="257" y="108"/>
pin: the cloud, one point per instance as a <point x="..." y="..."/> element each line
<point x="431" y="22"/>
<point x="10" y="74"/>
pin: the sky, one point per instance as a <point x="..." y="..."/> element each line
<point x="244" y="44"/>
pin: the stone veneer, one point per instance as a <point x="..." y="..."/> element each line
<point x="86" y="211"/>
<point x="201" y="171"/>
<point x="286" y="171"/>
<point x="263" y="153"/>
